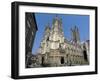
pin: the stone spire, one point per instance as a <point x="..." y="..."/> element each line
<point x="56" y="35"/>
<point x="75" y="34"/>
<point x="47" y="30"/>
<point x="57" y="24"/>
<point x="45" y="41"/>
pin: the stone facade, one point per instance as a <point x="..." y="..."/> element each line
<point x="56" y="50"/>
<point x="30" y="31"/>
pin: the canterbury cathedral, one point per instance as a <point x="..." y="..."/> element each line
<point x="56" y="50"/>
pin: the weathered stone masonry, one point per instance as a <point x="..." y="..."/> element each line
<point x="56" y="50"/>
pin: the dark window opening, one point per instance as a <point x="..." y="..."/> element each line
<point x="62" y="60"/>
<point x="48" y="39"/>
<point x="85" y="55"/>
<point x="42" y="60"/>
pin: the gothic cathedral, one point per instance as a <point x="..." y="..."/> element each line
<point x="56" y="50"/>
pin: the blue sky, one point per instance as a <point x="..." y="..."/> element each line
<point x="68" y="21"/>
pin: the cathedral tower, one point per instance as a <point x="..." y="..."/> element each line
<point x="56" y="35"/>
<point x="75" y="35"/>
<point x="45" y="41"/>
